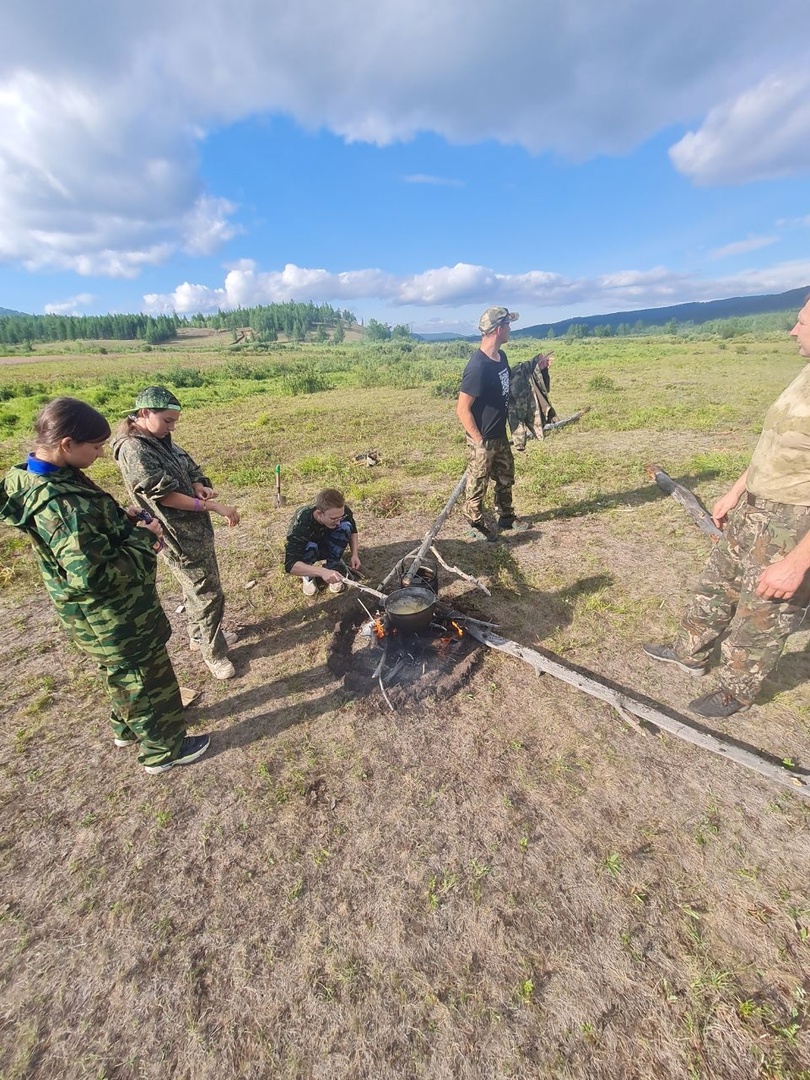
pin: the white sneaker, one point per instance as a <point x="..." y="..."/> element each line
<point x="309" y="586"/>
<point x="336" y="587"/>
<point x="222" y="668"/>
<point x="231" y="637"/>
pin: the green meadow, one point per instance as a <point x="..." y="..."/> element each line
<point x="507" y="882"/>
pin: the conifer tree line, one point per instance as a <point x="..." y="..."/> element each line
<point x="295" y="321"/>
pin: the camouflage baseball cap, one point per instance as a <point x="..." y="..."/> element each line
<point x="494" y="316"/>
<point x="156" y="397"/>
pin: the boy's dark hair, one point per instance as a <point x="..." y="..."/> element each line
<point x="69" y="418"/>
<point x="329" y="499"/>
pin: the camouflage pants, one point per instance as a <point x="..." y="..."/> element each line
<point x="490" y="461"/>
<point x="147" y="706"/>
<point x="203" y="598"/>
<point x="726" y="603"/>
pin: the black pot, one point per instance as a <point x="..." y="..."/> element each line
<point x="427" y="575"/>
<point x="416" y="606"/>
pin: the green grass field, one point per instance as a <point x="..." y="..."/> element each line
<point x="506" y="882"/>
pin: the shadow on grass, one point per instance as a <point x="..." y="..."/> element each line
<point x="650" y="492"/>
<point x="792" y="671"/>
<point x="298" y="632"/>
<point x="672" y="714"/>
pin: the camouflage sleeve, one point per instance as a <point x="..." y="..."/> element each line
<point x="99" y="556"/>
<point x="143" y="471"/>
<point x="196" y="475"/>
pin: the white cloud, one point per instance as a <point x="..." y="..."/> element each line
<point x="462" y="285"/>
<point x="101" y="115"/>
<point x="741" y="247"/>
<point x="70" y="306"/>
<point x="761" y="133"/>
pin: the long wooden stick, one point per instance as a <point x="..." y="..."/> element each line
<point x="433" y="530"/>
<point x="393" y="569"/>
<point x="797" y="782"/>
<point x="363" y="588"/>
<point x="555" y="425"/>
<point x="690" y="502"/>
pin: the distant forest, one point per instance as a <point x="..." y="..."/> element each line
<point x="298" y="322"/>
<point x="321" y="323"/>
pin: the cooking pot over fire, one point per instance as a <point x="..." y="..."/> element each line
<point x="411" y="609"/>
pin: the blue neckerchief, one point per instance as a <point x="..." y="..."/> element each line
<point x="36" y="465"/>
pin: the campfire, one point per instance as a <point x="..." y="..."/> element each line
<point x="407" y="643"/>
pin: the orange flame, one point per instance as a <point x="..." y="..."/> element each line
<point x="457" y="628"/>
<point x="378" y="628"/>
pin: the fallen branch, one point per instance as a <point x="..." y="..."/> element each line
<point x="555" y="425"/>
<point x="461" y="574"/>
<point x="688" y="501"/>
<point x="797" y="782"/>
<point x="387" y="699"/>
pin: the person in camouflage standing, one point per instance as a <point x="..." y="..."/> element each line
<point x="483" y="406"/>
<point x="755" y="589"/>
<point x="99" y="567"/>
<point x="166" y="481"/>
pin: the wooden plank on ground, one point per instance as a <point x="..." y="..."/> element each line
<point x="798" y="782"/>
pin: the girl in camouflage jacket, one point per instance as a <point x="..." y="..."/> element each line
<point x="99" y="569"/>
<point x="162" y="478"/>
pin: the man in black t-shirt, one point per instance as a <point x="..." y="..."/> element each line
<point x="483" y="406"/>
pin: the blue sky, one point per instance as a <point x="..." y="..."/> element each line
<point x="414" y="162"/>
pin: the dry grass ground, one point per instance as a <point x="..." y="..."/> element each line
<point x="508" y="883"/>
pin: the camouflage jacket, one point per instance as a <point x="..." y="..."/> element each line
<point x="98" y="567"/>
<point x="304" y="529"/>
<point x="529" y="407"/>
<point x="152" y="468"/>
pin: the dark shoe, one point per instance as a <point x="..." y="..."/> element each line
<point x="717" y="705"/>
<point x="512" y="524"/>
<point x="191" y="748"/>
<point x="479" y="530"/>
<point x="667" y="655"/>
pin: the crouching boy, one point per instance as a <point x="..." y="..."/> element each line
<point x="320" y="533"/>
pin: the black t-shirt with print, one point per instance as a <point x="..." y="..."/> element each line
<point x="487" y="380"/>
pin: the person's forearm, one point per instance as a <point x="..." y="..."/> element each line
<point x="467" y="420"/>
<point x="302" y="569"/>
<point x="177" y="501"/>
<point x="738" y="487"/>
<point x="799" y="557"/>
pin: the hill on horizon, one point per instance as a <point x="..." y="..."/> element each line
<point x="695" y="312"/>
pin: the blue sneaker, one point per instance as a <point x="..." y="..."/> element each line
<point x="191" y="748"/>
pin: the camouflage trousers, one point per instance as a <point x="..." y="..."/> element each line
<point x="203" y="599"/>
<point x="146" y="706"/>
<point x="725" y="604"/>
<point x="491" y="460"/>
